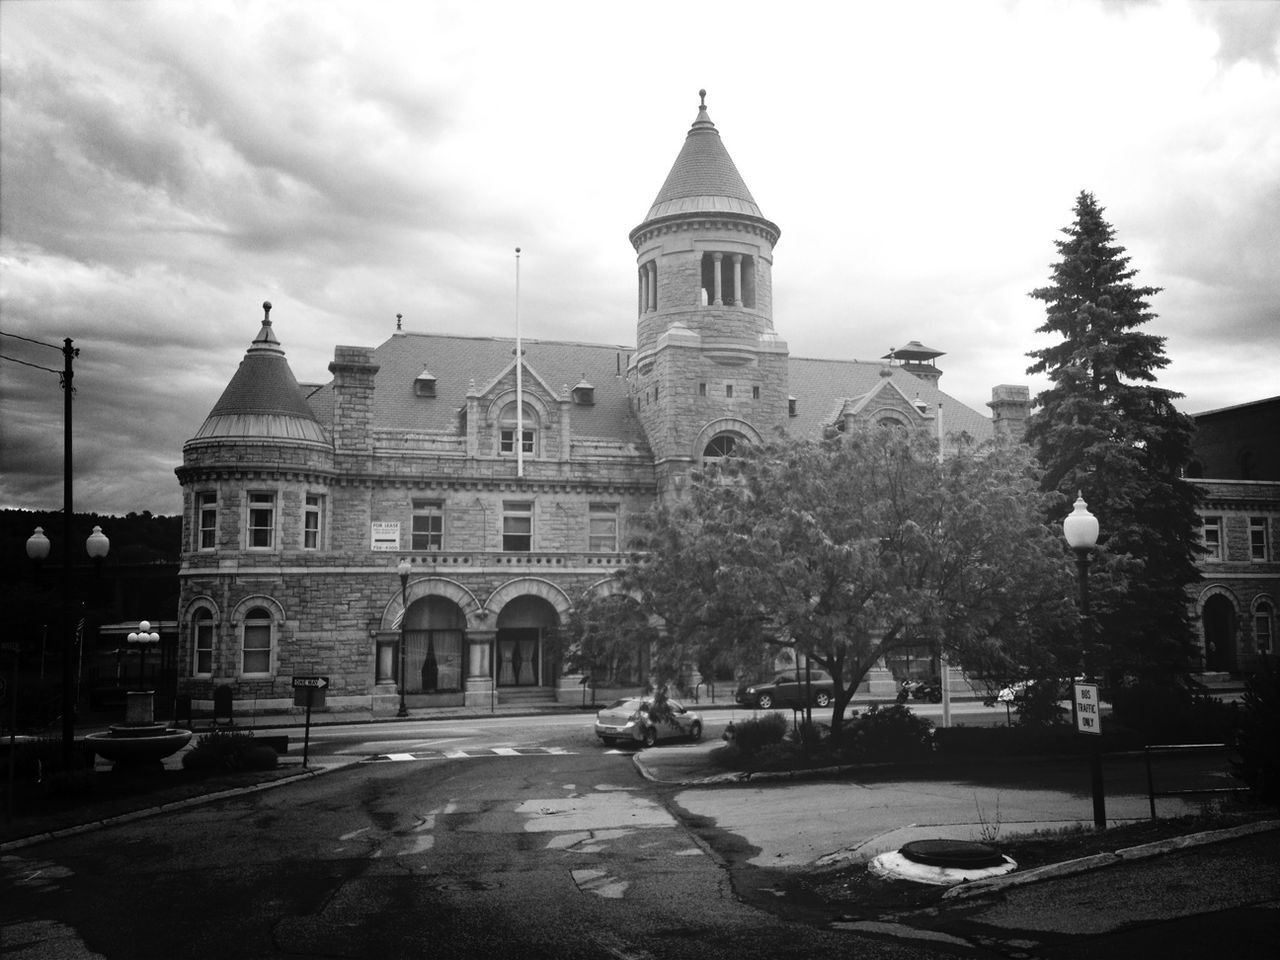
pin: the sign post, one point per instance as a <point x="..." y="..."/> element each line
<point x="304" y="691"/>
<point x="1085" y="708"/>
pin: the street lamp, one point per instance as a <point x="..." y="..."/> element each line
<point x="145" y="639"/>
<point x="96" y="545"/>
<point x="1080" y="528"/>
<point x="404" y="568"/>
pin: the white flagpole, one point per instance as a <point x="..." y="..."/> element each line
<point x="519" y="380"/>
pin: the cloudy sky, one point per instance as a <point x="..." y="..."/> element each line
<point x="166" y="167"/>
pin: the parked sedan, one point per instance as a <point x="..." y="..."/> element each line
<point x="629" y="720"/>
<point x="785" y="690"/>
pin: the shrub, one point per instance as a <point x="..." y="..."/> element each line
<point x="750" y="736"/>
<point x="1172" y="713"/>
<point x="259" y="757"/>
<point x="219" y="750"/>
<point x="888" y="733"/>
<point x="1257" y="743"/>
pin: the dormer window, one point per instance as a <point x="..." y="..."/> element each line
<point x="584" y="394"/>
<point x="424" y="385"/>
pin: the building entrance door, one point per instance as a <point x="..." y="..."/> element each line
<point x="518" y="657"/>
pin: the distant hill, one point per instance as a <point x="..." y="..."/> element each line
<point x="135" y="538"/>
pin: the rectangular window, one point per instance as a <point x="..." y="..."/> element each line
<point x="203" y="665"/>
<point x="1259" y="548"/>
<point x="428" y="525"/>
<point x="602" y="533"/>
<point x="507" y="441"/>
<point x="755" y="393"/>
<point x="312" y="521"/>
<point x="207" y="522"/>
<point x="257" y="646"/>
<point x="702" y="389"/>
<point x="728" y="389"/>
<point x="1262" y="629"/>
<point x="262" y="520"/>
<point x="1213" y="537"/>
<point x="517" y="526"/>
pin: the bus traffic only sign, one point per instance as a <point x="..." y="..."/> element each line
<point x="1088" y="719"/>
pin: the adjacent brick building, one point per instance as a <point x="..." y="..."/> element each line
<point x="508" y="490"/>
<point x="1237" y="469"/>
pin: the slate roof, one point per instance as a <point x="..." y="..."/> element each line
<point x="821" y="387"/>
<point x="704" y="177"/>
<point x="263" y="400"/>
<point x="457" y="362"/>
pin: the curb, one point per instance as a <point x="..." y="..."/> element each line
<point x="1143" y="851"/>
<point x="141" y="814"/>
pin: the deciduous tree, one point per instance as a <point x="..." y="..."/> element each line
<point x="850" y="548"/>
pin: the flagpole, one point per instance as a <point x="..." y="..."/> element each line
<point x="519" y="380"/>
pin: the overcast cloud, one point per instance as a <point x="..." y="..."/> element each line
<point x="166" y="167"/>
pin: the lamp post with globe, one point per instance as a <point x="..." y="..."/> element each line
<point x="403" y="568"/>
<point x="96" y="546"/>
<point x="1080" y="529"/>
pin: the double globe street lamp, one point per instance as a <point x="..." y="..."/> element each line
<point x="96" y="546"/>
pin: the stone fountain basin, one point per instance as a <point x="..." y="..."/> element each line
<point x="147" y="743"/>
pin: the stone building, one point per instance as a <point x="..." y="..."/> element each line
<point x="1237" y="468"/>
<point x="506" y="482"/>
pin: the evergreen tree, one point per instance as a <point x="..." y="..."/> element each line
<point x="1104" y="428"/>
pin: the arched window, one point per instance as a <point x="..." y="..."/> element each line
<point x="202" y="643"/>
<point x="508" y="429"/>
<point x="721" y="446"/>
<point x="257" y="637"/>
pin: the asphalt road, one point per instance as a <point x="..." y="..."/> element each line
<point x="558" y="854"/>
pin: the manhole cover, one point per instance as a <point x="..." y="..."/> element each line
<point x="952" y="854"/>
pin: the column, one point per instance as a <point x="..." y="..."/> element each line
<point x="643" y="292"/>
<point x="716" y="258"/>
<point x="737" y="279"/>
<point x="479" y="687"/>
<point x="653" y="285"/>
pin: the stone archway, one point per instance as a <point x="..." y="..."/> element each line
<point x="525" y="656"/>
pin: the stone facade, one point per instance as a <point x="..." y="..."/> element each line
<point x="417" y="527"/>
<point x="1238" y="472"/>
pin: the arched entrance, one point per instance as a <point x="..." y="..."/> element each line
<point x="1219" y="617"/>
<point x="524" y="658"/>
<point x="435" y="644"/>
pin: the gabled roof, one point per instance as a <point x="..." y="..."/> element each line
<point x="263" y="400"/>
<point x="821" y="387"/>
<point x="474" y="363"/>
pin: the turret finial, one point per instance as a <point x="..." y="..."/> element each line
<point x="266" y="311"/>
<point x="702" y="95"/>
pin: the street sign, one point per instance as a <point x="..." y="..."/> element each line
<point x="1085" y="697"/>
<point x="319" y="683"/>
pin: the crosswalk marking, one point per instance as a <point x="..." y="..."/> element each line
<point x="470" y="754"/>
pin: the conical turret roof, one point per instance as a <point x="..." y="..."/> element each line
<point x="263" y="399"/>
<point x="704" y="178"/>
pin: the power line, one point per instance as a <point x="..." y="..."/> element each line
<point x="51" y="346"/>
<point x="26" y="364"/>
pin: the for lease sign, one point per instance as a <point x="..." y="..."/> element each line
<point x="1088" y="719"/>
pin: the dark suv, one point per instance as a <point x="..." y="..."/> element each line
<point x="785" y="690"/>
